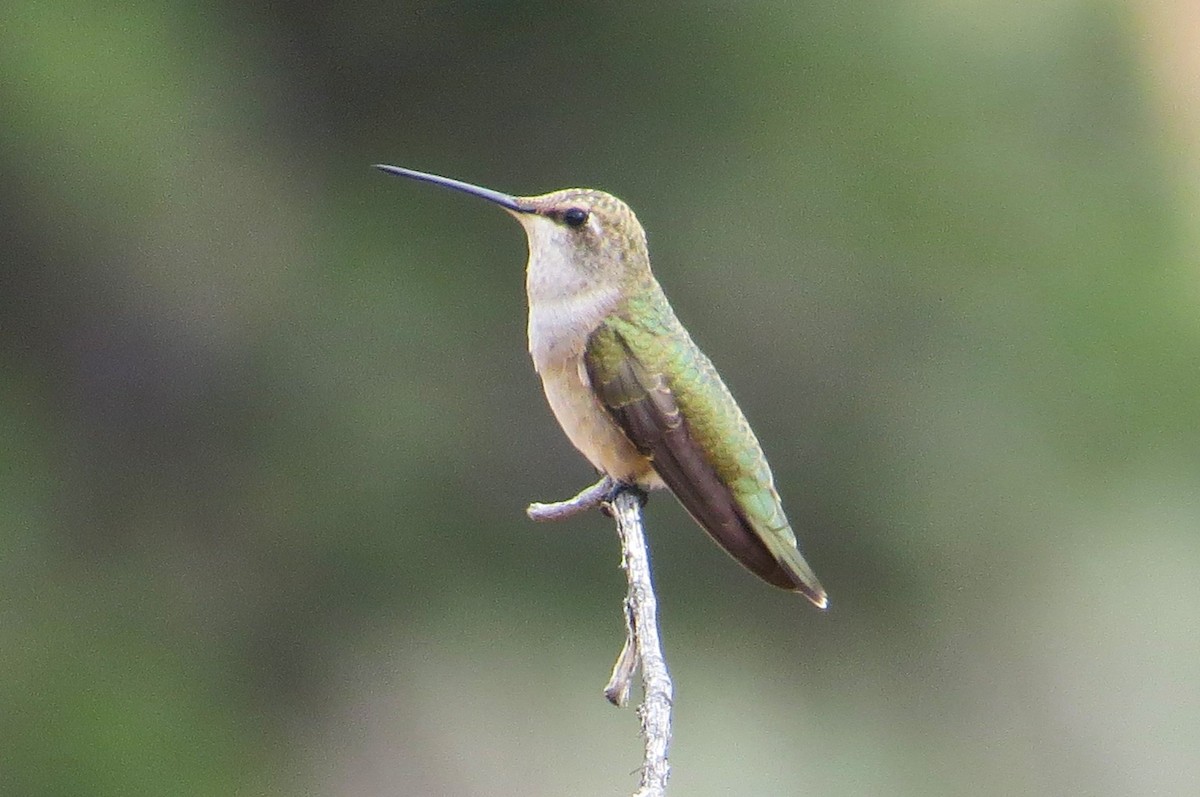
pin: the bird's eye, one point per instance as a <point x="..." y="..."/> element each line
<point x="575" y="217"/>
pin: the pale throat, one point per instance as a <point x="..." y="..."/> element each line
<point x="565" y="303"/>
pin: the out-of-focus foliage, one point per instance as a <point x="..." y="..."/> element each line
<point x="267" y="426"/>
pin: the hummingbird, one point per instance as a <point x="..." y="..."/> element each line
<point x="631" y="390"/>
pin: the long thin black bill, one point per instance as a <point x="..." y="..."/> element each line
<point x="503" y="200"/>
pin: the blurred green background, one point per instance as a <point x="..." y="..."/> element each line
<point x="267" y="424"/>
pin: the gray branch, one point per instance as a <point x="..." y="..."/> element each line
<point x="642" y="648"/>
<point x="589" y="498"/>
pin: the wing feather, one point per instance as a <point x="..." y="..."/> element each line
<point x="643" y="405"/>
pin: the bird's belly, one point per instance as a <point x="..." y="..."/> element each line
<point x="590" y="428"/>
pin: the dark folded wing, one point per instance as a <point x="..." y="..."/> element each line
<point x="641" y="402"/>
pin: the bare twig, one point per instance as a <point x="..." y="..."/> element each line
<point x="642" y="644"/>
<point x="589" y="498"/>
<point x="641" y="620"/>
<point x="621" y="681"/>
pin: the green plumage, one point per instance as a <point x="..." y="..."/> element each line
<point x="627" y="384"/>
<point x="669" y="400"/>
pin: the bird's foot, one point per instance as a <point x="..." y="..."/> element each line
<point x="616" y="488"/>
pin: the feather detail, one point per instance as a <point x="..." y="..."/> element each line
<point x="646" y="407"/>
